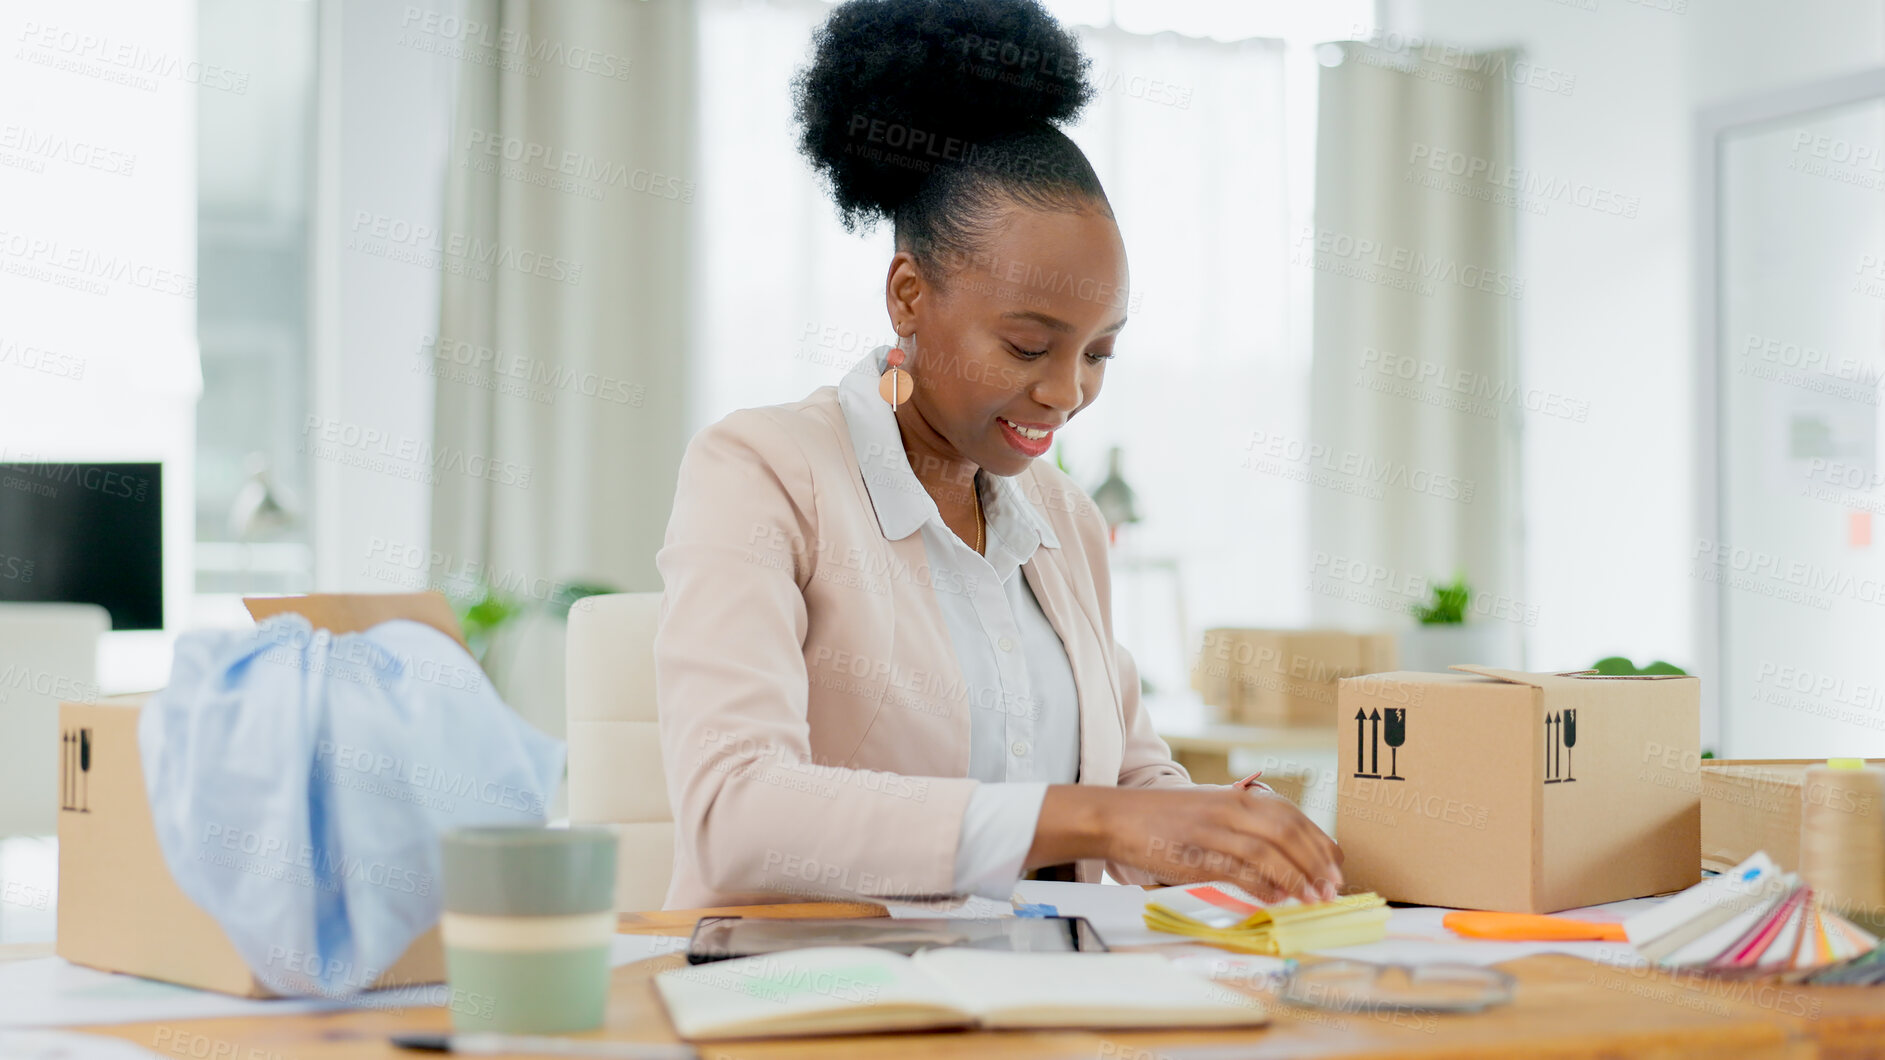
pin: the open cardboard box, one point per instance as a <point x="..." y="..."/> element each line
<point x="1522" y="792"/>
<point x="119" y="909"/>
<point x="1752" y="804"/>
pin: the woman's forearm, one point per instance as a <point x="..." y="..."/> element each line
<point x="1175" y="834"/>
<point x="1072" y="824"/>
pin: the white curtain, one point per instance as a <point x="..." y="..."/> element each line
<point x="562" y="345"/>
<point x="1188" y="136"/>
<point x="1412" y="451"/>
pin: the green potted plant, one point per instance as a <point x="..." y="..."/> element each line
<point x="1619" y="666"/>
<point x="491" y="612"/>
<point x="1443" y="637"/>
<point x="518" y="640"/>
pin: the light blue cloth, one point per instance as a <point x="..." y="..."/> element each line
<point x="299" y="782"/>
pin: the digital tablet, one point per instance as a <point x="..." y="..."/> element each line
<point x="719" y="938"/>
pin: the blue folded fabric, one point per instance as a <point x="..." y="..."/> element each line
<point x="299" y="782"/>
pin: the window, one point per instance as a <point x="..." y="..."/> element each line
<point x="253" y="192"/>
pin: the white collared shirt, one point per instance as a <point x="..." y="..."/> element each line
<point x="1024" y="730"/>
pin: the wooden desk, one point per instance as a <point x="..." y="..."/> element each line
<point x="1565" y="1008"/>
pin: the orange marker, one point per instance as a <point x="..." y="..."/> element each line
<point x="1528" y="927"/>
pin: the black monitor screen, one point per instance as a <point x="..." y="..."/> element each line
<point x="85" y="533"/>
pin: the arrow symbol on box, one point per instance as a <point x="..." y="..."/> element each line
<point x="1361" y="744"/>
<point x="1374" y="717"/>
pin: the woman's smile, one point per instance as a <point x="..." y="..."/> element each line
<point x="1029" y="439"/>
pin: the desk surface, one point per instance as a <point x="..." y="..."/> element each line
<point x="1564" y="1008"/>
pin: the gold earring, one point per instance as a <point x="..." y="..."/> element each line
<point x="895" y="385"/>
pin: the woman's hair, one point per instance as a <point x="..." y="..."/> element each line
<point x="932" y="114"/>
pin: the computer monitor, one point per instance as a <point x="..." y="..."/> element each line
<point x="85" y="533"/>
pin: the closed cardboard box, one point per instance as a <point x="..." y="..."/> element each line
<point x="1529" y="793"/>
<point x="119" y="909"/>
<point x="1753" y="804"/>
<point x="1285" y="677"/>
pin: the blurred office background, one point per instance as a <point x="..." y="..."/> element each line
<point x="1582" y="299"/>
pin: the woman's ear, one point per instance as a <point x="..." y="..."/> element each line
<point x="904" y="293"/>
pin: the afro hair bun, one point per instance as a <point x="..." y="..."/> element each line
<point x="897" y="88"/>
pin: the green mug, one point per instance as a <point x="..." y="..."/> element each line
<point x="529" y="917"/>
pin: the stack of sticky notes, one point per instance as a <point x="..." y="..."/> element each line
<point x="1223" y="914"/>
<point x="1753" y="918"/>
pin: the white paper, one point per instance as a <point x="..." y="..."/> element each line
<point x="1116" y="910"/>
<point x="54" y="992"/>
<point x="971" y="907"/>
<point x="67" y="1045"/>
<point x="1417" y="936"/>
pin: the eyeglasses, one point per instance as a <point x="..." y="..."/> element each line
<point x="1359" y="986"/>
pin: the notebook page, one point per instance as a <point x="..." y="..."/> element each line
<point x="826" y="989"/>
<point x="1085" y="990"/>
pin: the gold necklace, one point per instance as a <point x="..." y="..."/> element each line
<point x="981" y="521"/>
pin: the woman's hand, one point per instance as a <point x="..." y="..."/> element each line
<point x="1254" y="838"/>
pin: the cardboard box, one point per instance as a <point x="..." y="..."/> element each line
<point x="1752" y="804"/>
<point x="1529" y="793"/>
<point x="119" y="909"/>
<point x="1278" y="677"/>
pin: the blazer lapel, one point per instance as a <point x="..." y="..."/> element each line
<point x="1101" y="734"/>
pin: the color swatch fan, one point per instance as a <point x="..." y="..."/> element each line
<point x="1754" y="918"/>
<point x="1223" y="914"/>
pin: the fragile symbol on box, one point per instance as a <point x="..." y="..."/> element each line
<point x="75" y="770"/>
<point x="1368" y="737"/>
<point x="1560" y="735"/>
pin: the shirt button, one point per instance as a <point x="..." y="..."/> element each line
<point x="1020" y="748"/>
<point x="1006" y="644"/>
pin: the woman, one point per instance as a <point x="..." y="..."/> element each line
<point x="885" y="664"/>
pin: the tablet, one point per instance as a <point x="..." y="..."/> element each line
<point x="719" y="938"/>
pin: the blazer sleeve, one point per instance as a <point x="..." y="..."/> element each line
<point x="758" y="816"/>
<point x="1148" y="761"/>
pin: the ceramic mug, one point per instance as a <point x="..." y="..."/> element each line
<point x="529" y="917"/>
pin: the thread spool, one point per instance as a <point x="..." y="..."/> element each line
<point x="1842" y="839"/>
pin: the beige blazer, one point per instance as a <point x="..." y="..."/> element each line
<point x="814" y="719"/>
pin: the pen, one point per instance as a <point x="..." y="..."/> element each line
<point x="1251" y="781"/>
<point x="491" y="1044"/>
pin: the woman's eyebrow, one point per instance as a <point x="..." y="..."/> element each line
<point x="1055" y="322"/>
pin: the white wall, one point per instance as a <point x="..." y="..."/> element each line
<point x="1606" y="317"/>
<point x="98" y="356"/>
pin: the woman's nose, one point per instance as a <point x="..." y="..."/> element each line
<point x="1059" y="387"/>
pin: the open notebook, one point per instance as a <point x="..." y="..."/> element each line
<point x="844" y="989"/>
